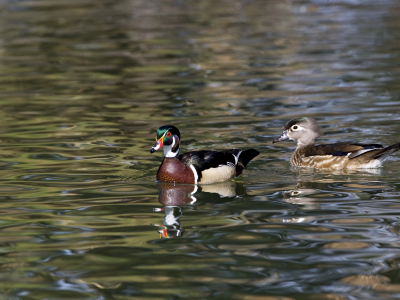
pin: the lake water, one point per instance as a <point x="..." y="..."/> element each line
<point x="85" y="84"/>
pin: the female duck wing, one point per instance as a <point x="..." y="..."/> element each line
<point x="351" y="150"/>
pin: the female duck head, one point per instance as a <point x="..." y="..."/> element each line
<point x="303" y="130"/>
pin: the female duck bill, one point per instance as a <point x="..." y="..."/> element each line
<point x="284" y="136"/>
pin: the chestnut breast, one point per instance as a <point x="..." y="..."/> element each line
<point x="173" y="170"/>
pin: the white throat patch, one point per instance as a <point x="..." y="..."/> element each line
<point x="168" y="150"/>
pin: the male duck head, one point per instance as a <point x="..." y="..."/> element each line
<point x="303" y="130"/>
<point x="167" y="137"/>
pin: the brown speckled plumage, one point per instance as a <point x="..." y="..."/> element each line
<point x="331" y="156"/>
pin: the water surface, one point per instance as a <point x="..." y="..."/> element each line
<point x="85" y="84"/>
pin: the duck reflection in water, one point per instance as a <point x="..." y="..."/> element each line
<point x="172" y="196"/>
<point x="315" y="194"/>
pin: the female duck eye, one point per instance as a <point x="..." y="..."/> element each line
<point x="169" y="134"/>
<point x="295" y="127"/>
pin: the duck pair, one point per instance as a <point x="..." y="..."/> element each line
<point x="202" y="167"/>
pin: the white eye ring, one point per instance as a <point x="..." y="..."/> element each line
<point x="295" y="127"/>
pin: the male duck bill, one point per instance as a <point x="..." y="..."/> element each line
<point x="331" y="156"/>
<point x="197" y="166"/>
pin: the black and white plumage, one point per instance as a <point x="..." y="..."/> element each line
<point x="214" y="166"/>
<point x="197" y="166"/>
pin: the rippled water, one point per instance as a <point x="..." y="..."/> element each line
<point x="85" y="84"/>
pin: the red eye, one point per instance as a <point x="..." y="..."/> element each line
<point x="169" y="134"/>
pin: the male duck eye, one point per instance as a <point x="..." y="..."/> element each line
<point x="169" y="134"/>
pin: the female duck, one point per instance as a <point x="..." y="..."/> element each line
<point x="331" y="156"/>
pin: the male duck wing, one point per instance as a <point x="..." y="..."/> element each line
<point x="204" y="160"/>
<point x="242" y="158"/>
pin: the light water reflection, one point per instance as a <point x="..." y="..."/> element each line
<point x="84" y="85"/>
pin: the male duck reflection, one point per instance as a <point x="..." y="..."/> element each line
<point x="331" y="156"/>
<point x="172" y="196"/>
<point x="197" y="166"/>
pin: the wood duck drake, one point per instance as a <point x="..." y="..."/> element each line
<point x="197" y="166"/>
<point x="331" y="156"/>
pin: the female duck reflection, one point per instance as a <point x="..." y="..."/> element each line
<point x="320" y="193"/>
<point x="173" y="196"/>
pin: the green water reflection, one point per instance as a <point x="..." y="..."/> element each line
<point x="85" y="84"/>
